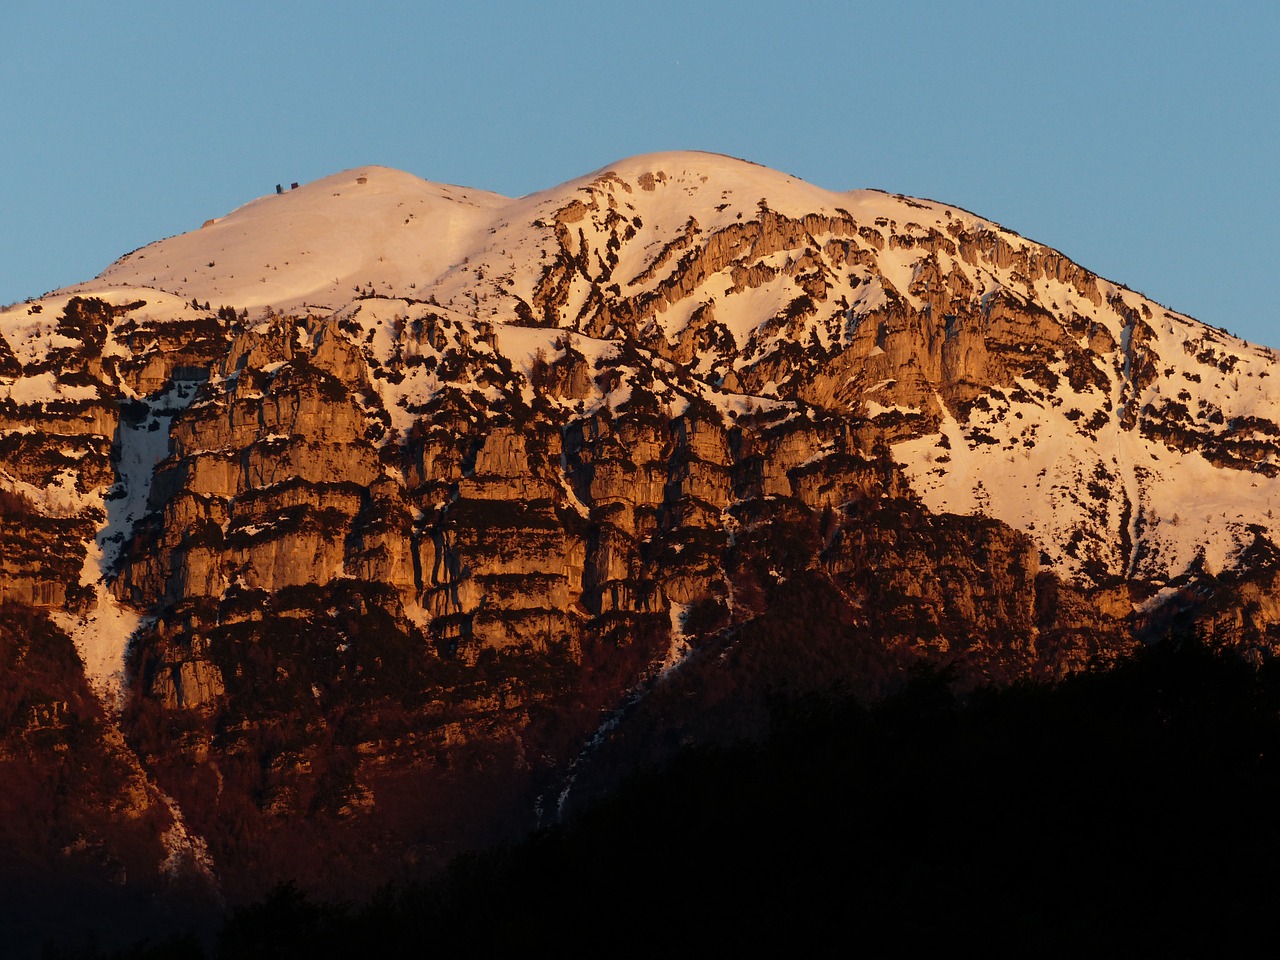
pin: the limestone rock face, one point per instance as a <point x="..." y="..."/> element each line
<point x="393" y="568"/>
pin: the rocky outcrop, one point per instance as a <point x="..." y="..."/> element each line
<point x="404" y="569"/>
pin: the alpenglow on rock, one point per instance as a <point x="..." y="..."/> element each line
<point x="377" y="497"/>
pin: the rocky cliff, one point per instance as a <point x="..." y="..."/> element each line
<point x="389" y="518"/>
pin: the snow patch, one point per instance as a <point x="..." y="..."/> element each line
<point x="101" y="636"/>
<point x="679" y="648"/>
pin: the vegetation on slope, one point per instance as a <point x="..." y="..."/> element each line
<point x="1127" y="813"/>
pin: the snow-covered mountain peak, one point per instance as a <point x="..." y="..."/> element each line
<point x="371" y="227"/>
<point x="376" y="489"/>
<point x="378" y="231"/>
<point x="1007" y="379"/>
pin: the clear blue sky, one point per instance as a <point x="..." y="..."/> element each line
<point x="1139" y="139"/>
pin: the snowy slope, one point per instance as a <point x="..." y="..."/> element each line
<point x="313" y="246"/>
<point x="373" y="228"/>
<point x="1128" y="440"/>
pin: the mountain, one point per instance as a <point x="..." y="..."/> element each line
<point x="380" y="519"/>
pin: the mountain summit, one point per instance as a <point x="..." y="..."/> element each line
<point x="388" y="518"/>
<point x="1029" y="376"/>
